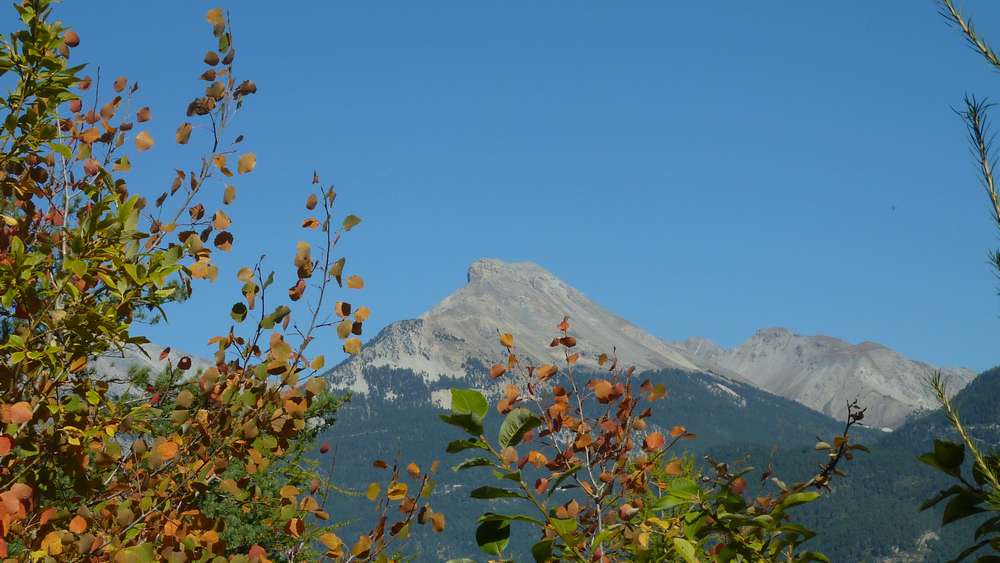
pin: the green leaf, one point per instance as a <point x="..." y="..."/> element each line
<point x="563" y="525"/>
<point x="796" y="499"/>
<point x="466" y="444"/>
<point x="466" y="422"/>
<point x="949" y="455"/>
<point x="518" y="422"/>
<point x="962" y="506"/>
<point x="941" y="495"/>
<point x="686" y="550"/>
<point x="492" y="536"/>
<point x="351" y="221"/>
<point x="494" y="492"/>
<point x="542" y="551"/>
<point x="469" y="401"/>
<point x="473" y="462"/>
<point x="682" y="490"/>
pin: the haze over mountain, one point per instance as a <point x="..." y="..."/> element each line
<point x="823" y="373"/>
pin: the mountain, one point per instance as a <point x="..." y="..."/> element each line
<point x="522" y="298"/>
<point x="401" y="380"/>
<point x="824" y="373"/>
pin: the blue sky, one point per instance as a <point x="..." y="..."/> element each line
<point x="698" y="168"/>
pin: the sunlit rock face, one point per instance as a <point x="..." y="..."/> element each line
<point x="825" y="373"/>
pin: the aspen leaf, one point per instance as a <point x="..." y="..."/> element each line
<point x="351" y="221"/>
<point x="215" y="16"/>
<point x="545" y="371"/>
<point x="603" y="390"/>
<point x="167" y="449"/>
<point x="310" y="223"/>
<point x="90" y="135"/>
<point x="143" y="141"/>
<point x="183" y="134"/>
<point x="344" y="328"/>
<point x="413" y="470"/>
<point x="333" y="544"/>
<point x="311" y="202"/>
<point x="373" y="490"/>
<point x="317" y="362"/>
<point x="78" y="524"/>
<point x="361" y="547"/>
<point x="507" y="340"/>
<point x="397" y="491"/>
<point x="221" y="221"/>
<point x="337" y="270"/>
<point x="677" y="431"/>
<point x="355" y="282"/>
<point x="675" y="467"/>
<point x="352" y="346"/>
<point x="18" y="413"/>
<point x="437" y="521"/>
<point x="144" y="114"/>
<point x="362" y="314"/>
<point x="244" y="275"/>
<point x="497" y="370"/>
<point x="342" y="308"/>
<point x="228" y="195"/>
<point x="564" y="325"/>
<point x="6" y="445"/>
<point x="246" y="163"/>
<point x="654" y="441"/>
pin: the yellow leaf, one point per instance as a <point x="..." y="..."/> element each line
<point x="90" y="135"/>
<point x="143" y="141"/>
<point x="362" y="314"/>
<point x="507" y="340"/>
<point x="373" y="490"/>
<point x="355" y="282"/>
<point x="317" y="362"/>
<point x="363" y="545"/>
<point x="246" y="163"/>
<point x="332" y="543"/>
<point x="352" y="346"/>
<point x="229" y="195"/>
<point x="52" y="543"/>
<point x="221" y="221"/>
<point x="397" y="491"/>
<point x="413" y="470"/>
<point x="244" y="275"/>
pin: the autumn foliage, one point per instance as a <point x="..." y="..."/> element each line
<point x="576" y="451"/>
<point x="97" y="468"/>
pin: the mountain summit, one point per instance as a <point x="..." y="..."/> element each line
<point x="452" y="342"/>
<point x="823" y="373"/>
<point x="517" y="297"/>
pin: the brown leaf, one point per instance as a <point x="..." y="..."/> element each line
<point x="311" y="202"/>
<point x="497" y="370"/>
<point x="183" y="133"/>
<point x="144" y="114"/>
<point x="120" y="83"/>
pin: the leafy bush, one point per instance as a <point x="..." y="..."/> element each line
<point x="94" y="467"/>
<point x="600" y="484"/>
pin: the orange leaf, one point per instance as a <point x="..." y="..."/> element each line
<point x="677" y="431"/>
<point x="246" y="163"/>
<point x="355" y="282"/>
<point x="545" y="371"/>
<point x="361" y="548"/>
<point x="229" y="195"/>
<point x="221" y="221"/>
<point x="215" y="16"/>
<point x="675" y="467"/>
<point x="497" y="370"/>
<point x="413" y="470"/>
<point x="78" y="524"/>
<point x="6" y="445"/>
<point x="507" y="340"/>
<point x="654" y="441"/>
<point x="167" y="449"/>
<point x="143" y="141"/>
<point x="18" y="413"/>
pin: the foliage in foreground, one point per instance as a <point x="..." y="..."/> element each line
<point x="980" y="493"/>
<point x="599" y="484"/>
<point x="99" y="468"/>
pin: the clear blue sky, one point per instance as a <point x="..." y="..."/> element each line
<point x="699" y="168"/>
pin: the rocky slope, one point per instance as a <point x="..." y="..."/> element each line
<point x="823" y="373"/>
<point x="461" y="332"/>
